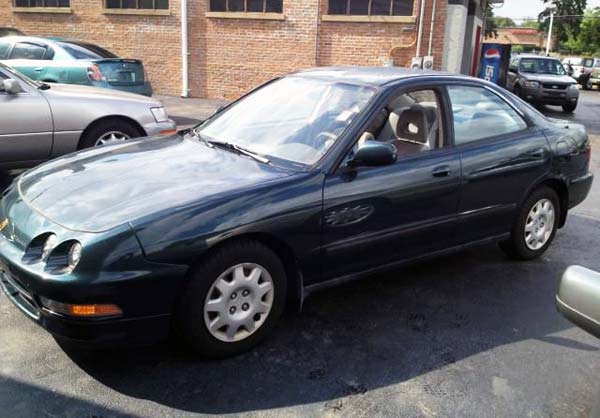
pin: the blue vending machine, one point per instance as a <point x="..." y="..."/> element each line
<point x="495" y="59"/>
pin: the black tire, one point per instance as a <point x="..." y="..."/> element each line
<point x="569" y="107"/>
<point x="97" y="130"/>
<point x="516" y="247"/>
<point x="190" y="322"/>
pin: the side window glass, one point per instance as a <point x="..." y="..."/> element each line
<point x="23" y="50"/>
<point x="412" y="122"/>
<point x="4" y="47"/>
<point x="478" y="114"/>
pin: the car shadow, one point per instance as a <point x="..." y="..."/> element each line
<point x="368" y="334"/>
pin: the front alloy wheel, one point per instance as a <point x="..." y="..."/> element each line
<point x="239" y="302"/>
<point x="112" y="137"/>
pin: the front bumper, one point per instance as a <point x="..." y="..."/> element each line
<point x="160" y="128"/>
<point x="91" y="333"/>
<point x="113" y="270"/>
<point x="551" y="95"/>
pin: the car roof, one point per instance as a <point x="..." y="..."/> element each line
<point x="542" y="57"/>
<point x="373" y="76"/>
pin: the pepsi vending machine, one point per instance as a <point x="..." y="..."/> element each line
<point x="495" y="59"/>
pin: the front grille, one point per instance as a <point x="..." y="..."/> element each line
<point x="17" y="293"/>
<point x="555" y="86"/>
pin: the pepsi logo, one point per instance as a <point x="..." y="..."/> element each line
<point x="493" y="53"/>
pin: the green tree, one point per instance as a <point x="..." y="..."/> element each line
<point x="530" y="23"/>
<point x="490" y="28"/>
<point x="504" y="22"/>
<point x="567" y="18"/>
<point x="588" y="38"/>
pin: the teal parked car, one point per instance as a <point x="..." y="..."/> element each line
<point x="73" y="62"/>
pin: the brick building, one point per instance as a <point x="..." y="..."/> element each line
<point x="234" y="45"/>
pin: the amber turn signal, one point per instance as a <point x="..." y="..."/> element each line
<point x="94" y="310"/>
<point x="168" y="132"/>
<point x="89" y="311"/>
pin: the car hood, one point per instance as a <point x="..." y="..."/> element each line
<point x="549" y="78"/>
<point x="99" y="189"/>
<point x="92" y="94"/>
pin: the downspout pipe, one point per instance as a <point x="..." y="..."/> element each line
<point x="185" y="89"/>
<point x="430" y="48"/>
<point x="420" y="35"/>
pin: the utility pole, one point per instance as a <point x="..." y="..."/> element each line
<point x="549" y="40"/>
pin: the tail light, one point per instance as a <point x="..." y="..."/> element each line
<point x="145" y="74"/>
<point x="94" y="73"/>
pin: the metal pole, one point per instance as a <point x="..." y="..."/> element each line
<point x="549" y="40"/>
<point x="420" y="35"/>
<point x="185" y="91"/>
<point x="429" y="49"/>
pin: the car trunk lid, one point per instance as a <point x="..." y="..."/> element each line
<point x="122" y="71"/>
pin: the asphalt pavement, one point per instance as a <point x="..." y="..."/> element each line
<point x="469" y="335"/>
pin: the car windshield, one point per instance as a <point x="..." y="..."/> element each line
<point x="541" y="66"/>
<point x="295" y="118"/>
<point x="588" y="62"/>
<point x="82" y="51"/>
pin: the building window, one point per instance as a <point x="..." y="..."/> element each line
<point x="260" y="6"/>
<point x="138" y="4"/>
<point x="371" y="7"/>
<point x="42" y="3"/>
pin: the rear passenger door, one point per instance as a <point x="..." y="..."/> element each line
<point x="502" y="154"/>
<point x="31" y="58"/>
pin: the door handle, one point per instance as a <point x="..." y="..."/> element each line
<point x="38" y="69"/>
<point x="538" y="154"/>
<point x="443" y="171"/>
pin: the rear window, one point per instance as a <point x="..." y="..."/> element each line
<point x="81" y="51"/>
<point x="588" y="62"/>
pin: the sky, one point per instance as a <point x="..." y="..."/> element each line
<point x="516" y="9"/>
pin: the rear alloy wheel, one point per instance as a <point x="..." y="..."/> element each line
<point x="108" y="132"/>
<point x="232" y="300"/>
<point x="536" y="226"/>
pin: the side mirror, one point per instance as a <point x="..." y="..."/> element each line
<point x="374" y="154"/>
<point x="578" y="298"/>
<point x="10" y="86"/>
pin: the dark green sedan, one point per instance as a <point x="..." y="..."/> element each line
<point x="54" y="60"/>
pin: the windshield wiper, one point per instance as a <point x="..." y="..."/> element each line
<point x="240" y="150"/>
<point x="197" y="135"/>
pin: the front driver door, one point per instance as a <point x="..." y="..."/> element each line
<point x="26" y="128"/>
<point x="375" y="216"/>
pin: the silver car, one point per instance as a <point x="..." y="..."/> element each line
<point x="41" y="121"/>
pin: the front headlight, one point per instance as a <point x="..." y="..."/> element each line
<point x="532" y="84"/>
<point x="49" y="244"/>
<point x="573" y="87"/>
<point x="74" y="255"/>
<point x="160" y="114"/>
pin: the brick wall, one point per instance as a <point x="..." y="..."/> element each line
<point x="230" y="56"/>
<point x="154" y="39"/>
